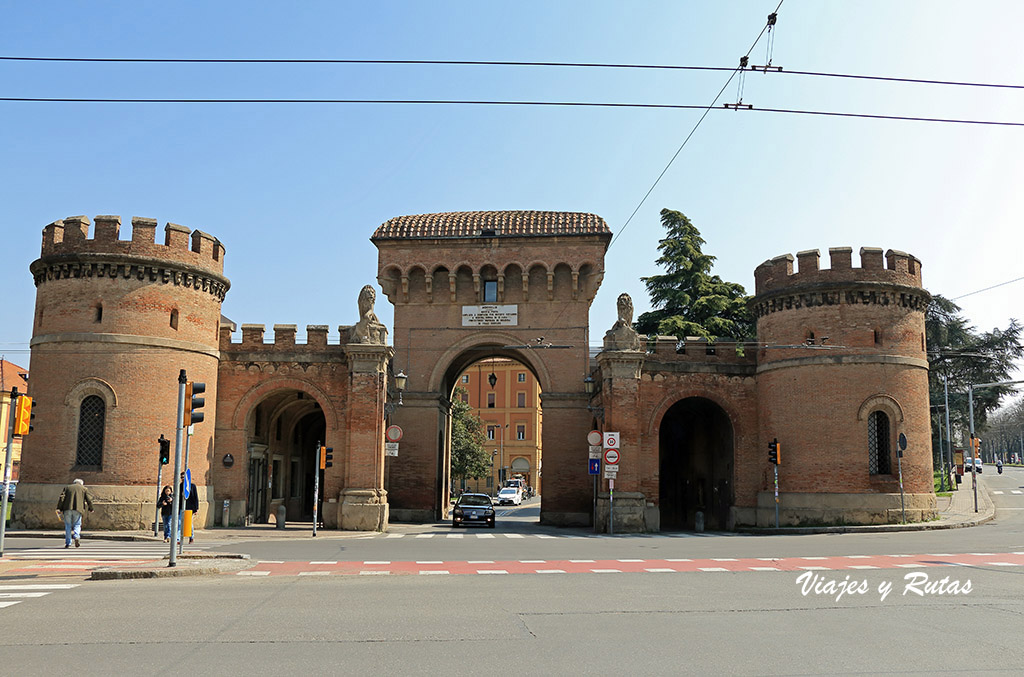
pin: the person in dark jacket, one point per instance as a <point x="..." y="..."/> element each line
<point x="166" y="505"/>
<point x="73" y="500"/>
<point x="190" y="503"/>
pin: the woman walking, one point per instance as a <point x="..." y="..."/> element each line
<point x="166" y="505"/>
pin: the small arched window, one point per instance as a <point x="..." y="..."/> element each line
<point x="92" y="415"/>
<point x="879" y="445"/>
<point x="99" y="312"/>
<point x="174" y="319"/>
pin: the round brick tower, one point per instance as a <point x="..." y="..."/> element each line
<point x="842" y="373"/>
<point x="115" y="321"/>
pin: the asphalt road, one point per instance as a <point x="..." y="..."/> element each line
<point x="708" y="622"/>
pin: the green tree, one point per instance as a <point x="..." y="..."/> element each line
<point x="469" y="458"/>
<point x="688" y="300"/>
<point x="964" y="356"/>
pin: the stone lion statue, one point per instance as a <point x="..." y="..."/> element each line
<point x="622" y="336"/>
<point x="369" y="329"/>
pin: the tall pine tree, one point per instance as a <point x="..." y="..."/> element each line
<point x="688" y="299"/>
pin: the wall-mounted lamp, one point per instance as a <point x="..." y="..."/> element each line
<point x="492" y="379"/>
<point x="400" y="380"/>
<point x="590" y="385"/>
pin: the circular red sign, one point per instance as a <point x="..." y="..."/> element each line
<point x="611" y="456"/>
<point x="393" y="433"/>
<point x="594" y="437"/>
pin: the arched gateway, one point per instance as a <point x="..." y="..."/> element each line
<point x="469" y="285"/>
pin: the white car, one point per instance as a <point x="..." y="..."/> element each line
<point x="511" y="495"/>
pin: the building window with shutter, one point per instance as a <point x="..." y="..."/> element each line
<point x="879" y="444"/>
<point x="92" y="417"/>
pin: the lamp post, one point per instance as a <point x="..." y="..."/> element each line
<point x="970" y="409"/>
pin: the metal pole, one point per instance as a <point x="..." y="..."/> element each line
<point x="899" y="465"/>
<point x="611" y="507"/>
<point x="316" y="484"/>
<point x="776" y="466"/>
<point x="172" y="560"/>
<point x="595" y="503"/>
<point x="7" y="467"/>
<point x="974" y="475"/>
<point x="942" y="460"/>
<point x="949" y="431"/>
<point x="159" y="492"/>
<point x="188" y="439"/>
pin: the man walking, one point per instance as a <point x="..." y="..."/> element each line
<point x="70" y="505"/>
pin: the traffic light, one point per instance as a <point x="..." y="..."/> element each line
<point x="326" y="457"/>
<point x="775" y="452"/>
<point x="192" y="402"/>
<point x="165" y="450"/>
<point x="23" y="415"/>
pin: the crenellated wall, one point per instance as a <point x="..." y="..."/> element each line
<point x="118" y="320"/>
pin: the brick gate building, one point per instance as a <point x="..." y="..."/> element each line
<point x="838" y="373"/>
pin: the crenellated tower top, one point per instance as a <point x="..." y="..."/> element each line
<point x="895" y="267"/>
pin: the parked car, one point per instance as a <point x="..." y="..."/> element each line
<point x="473" y="509"/>
<point x="510" y="495"/>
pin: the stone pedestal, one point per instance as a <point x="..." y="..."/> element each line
<point x="363" y="510"/>
<point x="630" y="513"/>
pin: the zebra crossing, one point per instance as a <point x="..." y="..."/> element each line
<point x="506" y="535"/>
<point x="102" y="551"/>
<point x="19" y="592"/>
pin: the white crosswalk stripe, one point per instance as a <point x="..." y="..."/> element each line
<point x="100" y="550"/>
<point x="17" y="593"/>
<point x="516" y="535"/>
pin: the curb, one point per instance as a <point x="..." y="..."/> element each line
<point x="206" y="565"/>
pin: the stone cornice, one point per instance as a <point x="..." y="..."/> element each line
<point x="621" y="363"/>
<point x="368" y="357"/>
<point x="110" y="265"/>
<point x="839" y="293"/>
<point x="836" y="360"/>
<point x="124" y="339"/>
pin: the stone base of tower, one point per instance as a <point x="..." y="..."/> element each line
<point x="114" y="508"/>
<point x="629" y="511"/>
<point x="363" y="510"/>
<point x="816" y="509"/>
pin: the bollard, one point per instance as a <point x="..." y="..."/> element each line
<point x="698" y="522"/>
<point x="281" y="510"/>
<point x="225" y="514"/>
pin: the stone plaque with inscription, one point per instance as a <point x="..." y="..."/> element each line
<point x="490" y="316"/>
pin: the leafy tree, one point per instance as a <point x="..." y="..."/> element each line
<point x="688" y="299"/>
<point x="469" y="458"/>
<point x="964" y="356"/>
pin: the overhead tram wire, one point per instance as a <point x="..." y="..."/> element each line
<point x="544" y="64"/>
<point x="475" y="102"/>
<point x="995" y="286"/>
<point x="768" y="24"/>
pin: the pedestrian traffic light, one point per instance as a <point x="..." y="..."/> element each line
<point x="775" y="452"/>
<point x="23" y="415"/>
<point x="165" y="450"/>
<point x="326" y="457"/>
<point x="192" y="403"/>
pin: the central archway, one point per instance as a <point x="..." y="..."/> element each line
<point x="696" y="466"/>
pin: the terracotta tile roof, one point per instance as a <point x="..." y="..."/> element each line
<point x="474" y="224"/>
<point x="10" y="377"/>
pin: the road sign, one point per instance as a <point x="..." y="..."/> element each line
<point x="595" y="466"/>
<point x="902" y="442"/>
<point x="611" y="467"/>
<point x="391" y="448"/>
<point x="188" y="485"/>
<point x="393" y="433"/>
<point x="595" y="451"/>
<point x="594" y="437"/>
<point x="609" y="475"/>
<point x="611" y="456"/>
<point x="611" y="440"/>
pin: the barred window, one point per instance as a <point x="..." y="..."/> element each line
<point x="91" y="421"/>
<point x="878" y="444"/>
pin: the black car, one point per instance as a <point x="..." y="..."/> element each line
<point x="473" y="509"/>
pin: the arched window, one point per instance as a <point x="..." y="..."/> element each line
<point x="92" y="416"/>
<point x="879" y="444"/>
<point x="174" y="319"/>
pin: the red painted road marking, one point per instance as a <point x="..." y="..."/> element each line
<point x="793" y="564"/>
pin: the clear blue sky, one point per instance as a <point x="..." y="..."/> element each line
<point x="295" y="191"/>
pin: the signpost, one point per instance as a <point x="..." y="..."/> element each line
<point x="901" y="447"/>
<point x="611" y="468"/>
<point x="594" y="438"/>
<point x="595" y="466"/>
<point x="391" y="448"/>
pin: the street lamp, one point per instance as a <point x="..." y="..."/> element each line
<point x="589" y="385"/>
<point x="492" y="379"/>
<point x="400" y="380"/>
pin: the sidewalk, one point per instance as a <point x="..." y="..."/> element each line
<point x="955" y="511"/>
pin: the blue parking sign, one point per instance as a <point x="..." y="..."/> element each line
<point x="595" y="466"/>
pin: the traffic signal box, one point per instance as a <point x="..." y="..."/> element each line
<point x="23" y="415"/>
<point x="775" y="452"/>
<point x="326" y="457"/>
<point x="165" y="450"/>
<point x="192" y="403"/>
